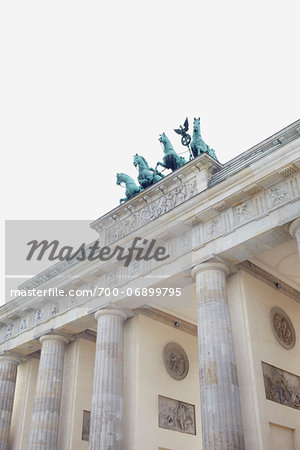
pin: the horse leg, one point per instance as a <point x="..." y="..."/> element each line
<point x="157" y="173"/>
<point x="122" y="200"/>
<point x="194" y="150"/>
<point x="160" y="164"/>
<point x="146" y="181"/>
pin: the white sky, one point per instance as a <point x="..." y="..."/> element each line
<point x="86" y="84"/>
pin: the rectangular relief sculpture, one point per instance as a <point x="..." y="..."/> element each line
<point x="176" y="415"/>
<point x="281" y="386"/>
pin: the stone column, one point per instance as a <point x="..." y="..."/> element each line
<point x="46" y="408"/>
<point x="295" y="232"/>
<point x="222" y="426"/>
<point x="107" y="400"/>
<point x="8" y="375"/>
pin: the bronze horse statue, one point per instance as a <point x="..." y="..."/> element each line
<point x="171" y="159"/>
<point x="198" y="146"/>
<point x="131" y="188"/>
<point x="147" y="176"/>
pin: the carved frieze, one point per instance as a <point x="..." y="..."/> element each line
<point x="9" y="331"/>
<point x="242" y="212"/>
<point x="176" y="361"/>
<point x="38" y="315"/>
<point x="54" y="309"/>
<point x="277" y="194"/>
<point x="23" y="324"/>
<point x="152" y="211"/>
<point x="283" y="328"/>
<point x="176" y="415"/>
<point x="213" y="228"/>
<point x="281" y="386"/>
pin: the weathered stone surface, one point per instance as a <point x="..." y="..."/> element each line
<point x="46" y="409"/>
<point x="176" y="415"/>
<point x="220" y="403"/>
<point x="295" y="232"/>
<point x="176" y="361"/>
<point x="107" y="401"/>
<point x="283" y="328"/>
<point x="281" y="386"/>
<point x="150" y="212"/>
<point x="8" y="374"/>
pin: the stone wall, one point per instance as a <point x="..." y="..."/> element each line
<point x="145" y="341"/>
<point x="251" y="302"/>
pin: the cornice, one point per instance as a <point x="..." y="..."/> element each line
<point x="260" y="150"/>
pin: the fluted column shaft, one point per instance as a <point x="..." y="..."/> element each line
<point x="107" y="400"/>
<point x="295" y="232"/>
<point x="222" y="427"/>
<point x="8" y="375"/>
<point x="46" y="408"/>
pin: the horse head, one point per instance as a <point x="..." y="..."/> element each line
<point x="140" y="160"/>
<point x="197" y="124"/>
<point x="168" y="147"/>
<point x="135" y="159"/>
<point x="162" y="138"/>
<point x="165" y="141"/>
<point x="121" y="178"/>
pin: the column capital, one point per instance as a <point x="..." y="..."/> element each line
<point x="210" y="265"/>
<point x="54" y="337"/>
<point x="10" y="356"/>
<point x="294" y="227"/>
<point x="111" y="312"/>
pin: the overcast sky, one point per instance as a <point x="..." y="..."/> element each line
<point x="86" y="84"/>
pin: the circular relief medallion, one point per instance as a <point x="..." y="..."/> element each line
<point x="283" y="328"/>
<point x="176" y="361"/>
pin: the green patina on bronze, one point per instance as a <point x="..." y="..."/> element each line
<point x="185" y="137"/>
<point x="147" y="176"/>
<point x="198" y="146"/>
<point x="171" y="160"/>
<point x="131" y="188"/>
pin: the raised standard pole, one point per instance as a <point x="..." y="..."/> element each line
<point x="220" y="402"/>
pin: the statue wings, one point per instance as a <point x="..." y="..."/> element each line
<point x="183" y="130"/>
<point x="186" y="125"/>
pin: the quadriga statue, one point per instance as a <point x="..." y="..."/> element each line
<point x="147" y="176"/>
<point x="131" y="188"/>
<point x="171" y="160"/>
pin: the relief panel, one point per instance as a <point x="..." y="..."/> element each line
<point x="283" y="328"/>
<point x="176" y="415"/>
<point x="281" y="386"/>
